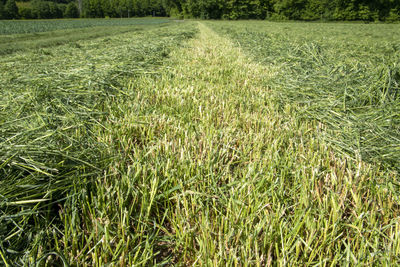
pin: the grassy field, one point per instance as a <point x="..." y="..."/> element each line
<point x="27" y="35"/>
<point x="201" y="143"/>
<point x="57" y="105"/>
<point x="345" y="76"/>
<point x="33" y="26"/>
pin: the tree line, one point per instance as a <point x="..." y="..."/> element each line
<point x="339" y="10"/>
<point x="38" y="9"/>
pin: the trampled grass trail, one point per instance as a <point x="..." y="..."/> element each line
<point x="235" y="181"/>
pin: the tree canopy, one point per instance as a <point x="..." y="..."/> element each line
<point x="10" y="10"/>
<point x="366" y="10"/>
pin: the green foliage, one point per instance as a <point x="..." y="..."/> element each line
<point x="55" y="11"/>
<point x="277" y="17"/>
<point x="41" y="9"/>
<point x="374" y="10"/>
<point x="364" y="13"/>
<point x="242" y="9"/>
<point x="318" y="10"/>
<point x="10" y="10"/>
<point x="71" y="11"/>
<point x="25" y="12"/>
<point x="204" y="9"/>
<point x="291" y="9"/>
<point x="175" y="13"/>
<point x="1" y="10"/>
<point x="393" y="16"/>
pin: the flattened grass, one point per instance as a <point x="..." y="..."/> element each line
<point x="35" y="26"/>
<point x="225" y="176"/>
<point x="250" y="181"/>
<point x="54" y="104"/>
<point x="198" y="162"/>
<point x="346" y="76"/>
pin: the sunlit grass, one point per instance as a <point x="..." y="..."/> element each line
<point x="180" y="145"/>
<point x="346" y="76"/>
<point x="55" y="103"/>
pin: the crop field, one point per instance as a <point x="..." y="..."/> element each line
<point x="34" y="26"/>
<point x="216" y="143"/>
<point x="26" y="35"/>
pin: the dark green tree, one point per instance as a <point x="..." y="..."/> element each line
<point x="55" y="11"/>
<point x="318" y="10"/>
<point x="394" y="15"/>
<point x="25" y="13"/>
<point x="364" y="13"/>
<point x="10" y="10"/>
<point x="290" y="9"/>
<point x="71" y="11"/>
<point x="62" y="7"/>
<point x="110" y="8"/>
<point x="40" y="9"/>
<point x="246" y="9"/>
<point x="207" y="9"/>
<point x="237" y="9"/>
<point x="1" y="10"/>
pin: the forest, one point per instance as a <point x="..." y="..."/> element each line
<point x="308" y="10"/>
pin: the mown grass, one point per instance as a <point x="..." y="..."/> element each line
<point x="59" y="32"/>
<point x="34" y="26"/>
<point x="249" y="182"/>
<point x="346" y="76"/>
<point x="194" y="162"/>
<point x="55" y="103"/>
<point x="25" y="42"/>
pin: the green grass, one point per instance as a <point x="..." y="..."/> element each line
<point x="191" y="144"/>
<point x="26" y="42"/>
<point x="346" y="76"/>
<point x="33" y="26"/>
<point x="27" y="35"/>
<point x="55" y="102"/>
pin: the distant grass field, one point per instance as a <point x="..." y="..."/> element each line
<point x="26" y="35"/>
<point x="210" y="143"/>
<point x="32" y="26"/>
